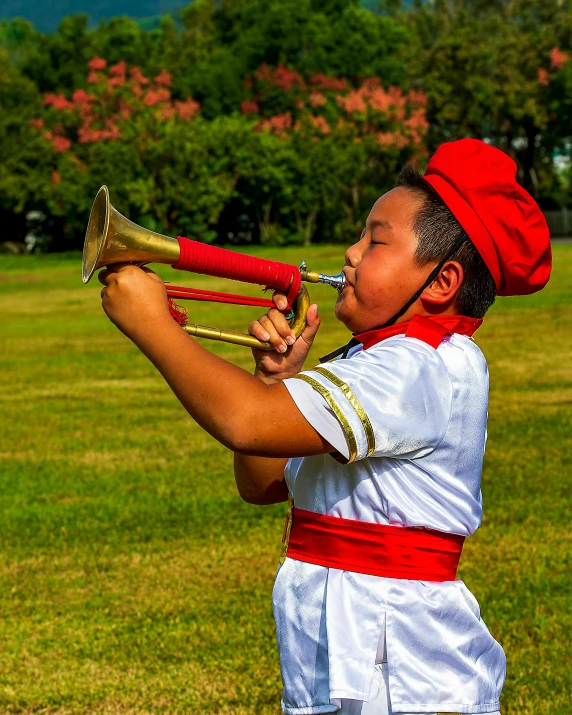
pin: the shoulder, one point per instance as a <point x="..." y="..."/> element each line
<point x="401" y="354"/>
<point x="399" y="368"/>
<point x="406" y="350"/>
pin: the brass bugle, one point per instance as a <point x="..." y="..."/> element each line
<point x="112" y="238"/>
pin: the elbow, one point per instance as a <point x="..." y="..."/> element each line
<point x="259" y="484"/>
<point x="252" y="496"/>
<point x="242" y="439"/>
<point x="274" y="493"/>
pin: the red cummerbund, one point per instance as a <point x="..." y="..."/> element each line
<point x="375" y="549"/>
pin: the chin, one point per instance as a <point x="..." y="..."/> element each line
<point x="357" y="319"/>
<point x="345" y="314"/>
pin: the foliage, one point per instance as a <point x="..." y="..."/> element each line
<point x="298" y="113"/>
<point x="224" y="42"/>
<point x="300" y="159"/>
<point x="485" y="66"/>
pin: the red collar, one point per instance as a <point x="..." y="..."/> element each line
<point x="422" y="327"/>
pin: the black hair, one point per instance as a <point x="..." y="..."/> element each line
<point x="439" y="231"/>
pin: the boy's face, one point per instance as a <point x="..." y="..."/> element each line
<point x="380" y="268"/>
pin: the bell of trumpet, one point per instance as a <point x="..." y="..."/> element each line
<point x="111" y="238"/>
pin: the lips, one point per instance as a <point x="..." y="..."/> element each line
<point x="348" y="282"/>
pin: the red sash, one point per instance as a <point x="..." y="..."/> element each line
<point x="374" y="549"/>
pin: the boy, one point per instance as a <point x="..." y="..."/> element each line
<point x="381" y="450"/>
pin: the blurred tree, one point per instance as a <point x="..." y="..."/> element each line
<point x="24" y="169"/>
<point x="479" y="64"/>
<point x="53" y="62"/>
<point x="344" y="147"/>
<point x="129" y="133"/>
<point x="223" y="41"/>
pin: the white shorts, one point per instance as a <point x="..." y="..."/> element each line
<point x="379" y="702"/>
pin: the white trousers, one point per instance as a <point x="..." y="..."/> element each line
<point x="379" y="702"/>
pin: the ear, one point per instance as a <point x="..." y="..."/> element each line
<point x="443" y="290"/>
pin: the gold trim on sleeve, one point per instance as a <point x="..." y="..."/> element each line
<point x="354" y="402"/>
<point x="346" y="426"/>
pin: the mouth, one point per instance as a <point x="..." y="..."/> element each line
<point x="348" y="282"/>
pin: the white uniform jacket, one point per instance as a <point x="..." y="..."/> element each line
<point x="410" y="420"/>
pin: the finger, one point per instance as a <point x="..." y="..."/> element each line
<point x="117" y="267"/>
<point x="105" y="276"/>
<point x="152" y="274"/>
<point x="275" y="339"/>
<point x="280" y="300"/>
<point x="256" y="329"/>
<point x="312" y="325"/>
<point x="281" y="326"/>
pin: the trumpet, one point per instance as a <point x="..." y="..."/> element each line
<point x="112" y="238"/>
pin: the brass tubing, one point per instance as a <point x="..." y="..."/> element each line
<point x="297" y="324"/>
<point x="227" y="336"/>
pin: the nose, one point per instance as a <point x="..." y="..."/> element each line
<point x="353" y="255"/>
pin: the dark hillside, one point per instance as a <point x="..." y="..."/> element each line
<point x="47" y="15"/>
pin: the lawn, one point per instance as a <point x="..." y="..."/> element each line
<point x="132" y="577"/>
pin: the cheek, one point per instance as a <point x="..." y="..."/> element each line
<point x="370" y="286"/>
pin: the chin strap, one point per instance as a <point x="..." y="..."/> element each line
<point x="342" y="352"/>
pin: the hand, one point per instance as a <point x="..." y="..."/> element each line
<point x="134" y="299"/>
<point x="287" y="358"/>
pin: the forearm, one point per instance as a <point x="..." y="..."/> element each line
<point x="216" y="393"/>
<point x="236" y="408"/>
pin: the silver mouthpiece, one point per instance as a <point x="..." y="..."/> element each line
<point x="338" y="281"/>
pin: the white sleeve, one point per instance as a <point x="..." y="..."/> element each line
<point x="393" y="400"/>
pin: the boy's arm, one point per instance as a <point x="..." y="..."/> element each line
<point x="260" y="480"/>
<point x="237" y="408"/>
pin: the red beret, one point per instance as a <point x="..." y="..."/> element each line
<point x="478" y="183"/>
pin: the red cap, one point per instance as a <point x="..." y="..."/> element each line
<point x="478" y="183"/>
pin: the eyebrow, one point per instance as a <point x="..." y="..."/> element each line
<point x="378" y="223"/>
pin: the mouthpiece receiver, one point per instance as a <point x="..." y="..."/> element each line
<point x="337" y="281"/>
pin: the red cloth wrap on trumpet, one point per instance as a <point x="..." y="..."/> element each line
<point x="212" y="261"/>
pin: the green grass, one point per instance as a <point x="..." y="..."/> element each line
<point x="132" y="577"/>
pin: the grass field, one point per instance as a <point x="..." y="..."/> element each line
<point x="132" y="577"/>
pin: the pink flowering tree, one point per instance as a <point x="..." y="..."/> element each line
<point x="346" y="144"/>
<point x="118" y="103"/>
<point x="303" y="157"/>
<point x="285" y="103"/>
<point x="127" y="130"/>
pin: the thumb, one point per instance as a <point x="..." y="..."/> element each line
<point x="312" y="325"/>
